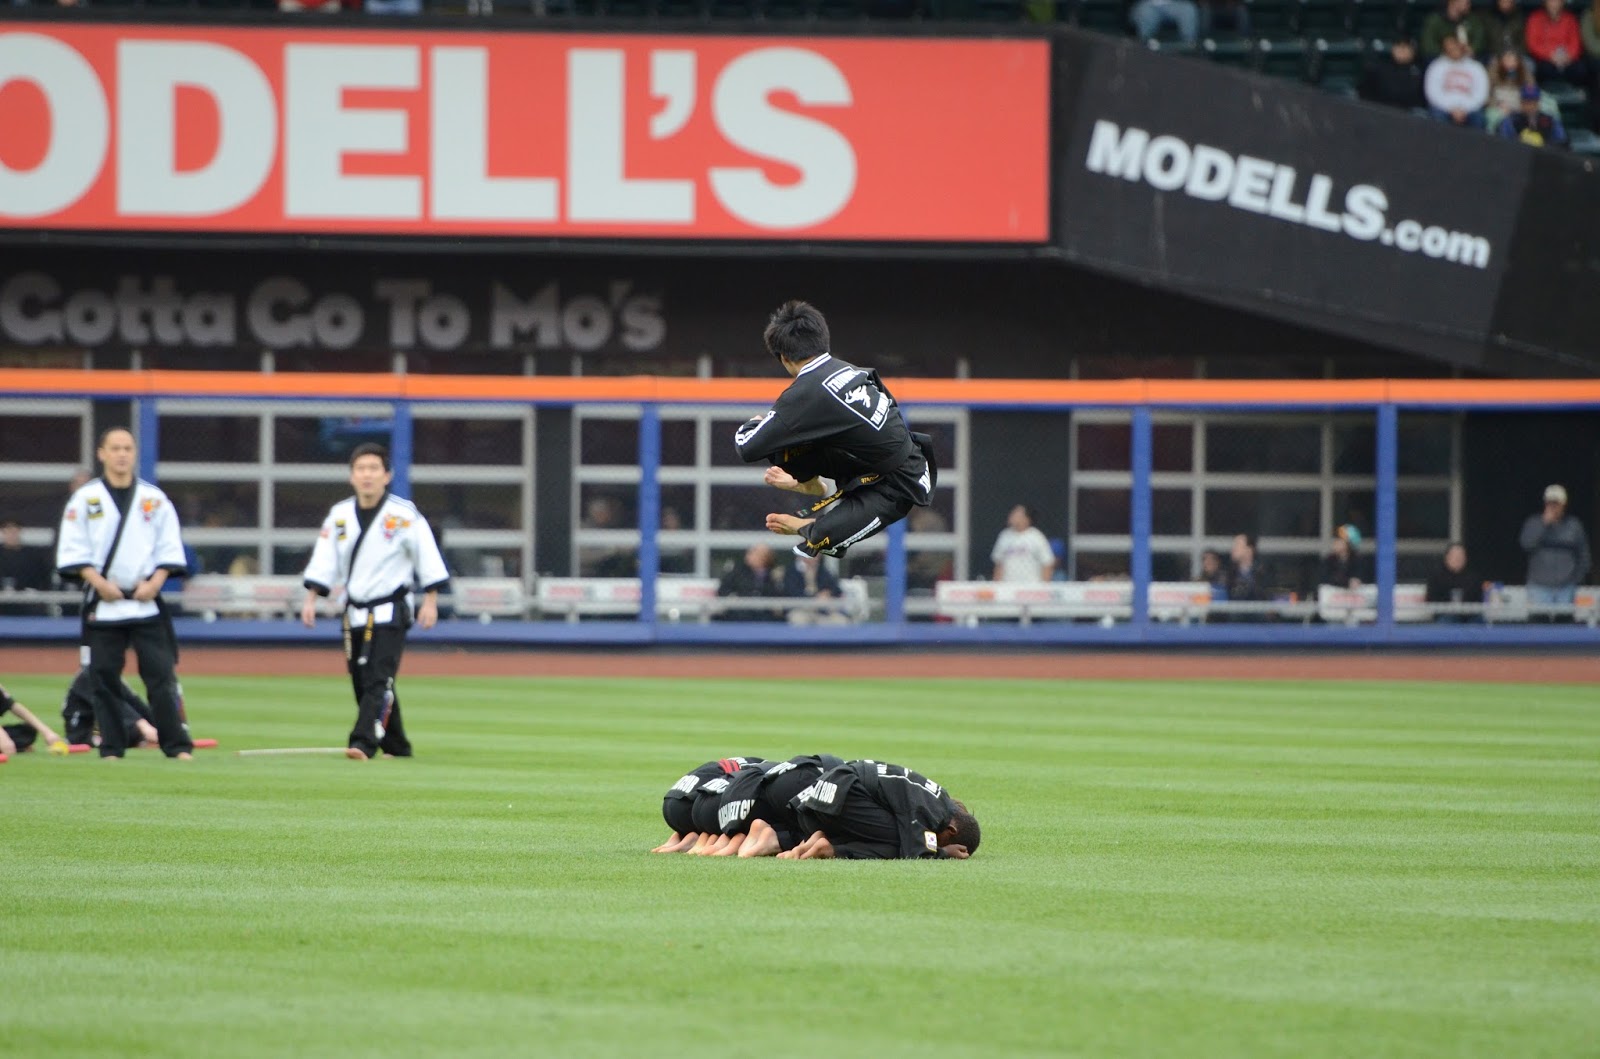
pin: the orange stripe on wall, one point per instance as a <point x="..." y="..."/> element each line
<point x="37" y="382"/>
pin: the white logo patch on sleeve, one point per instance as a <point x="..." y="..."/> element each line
<point x="930" y="840"/>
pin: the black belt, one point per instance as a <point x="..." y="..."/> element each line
<point x="367" y="604"/>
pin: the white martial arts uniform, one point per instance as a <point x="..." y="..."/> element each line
<point x="150" y="542"/>
<point x="376" y="566"/>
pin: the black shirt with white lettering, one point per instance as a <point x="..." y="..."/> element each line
<point x="919" y="807"/>
<point x="839" y="421"/>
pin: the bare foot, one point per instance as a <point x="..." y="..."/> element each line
<point x="677" y="843"/>
<point x="183" y="755"/>
<point x="789" y="525"/>
<point x="731" y="848"/>
<point x="702" y="845"/>
<point x="355" y="753"/>
<point x="762" y="841"/>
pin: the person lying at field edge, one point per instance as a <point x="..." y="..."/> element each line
<point x="703" y="784"/>
<point x="16" y="737"/>
<point x="869" y="810"/>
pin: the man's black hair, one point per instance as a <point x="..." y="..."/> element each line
<point x="796" y="332"/>
<point x="966" y="830"/>
<point x="371" y="448"/>
<point x="107" y="432"/>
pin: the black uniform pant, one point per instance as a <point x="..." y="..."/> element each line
<point x="863" y="509"/>
<point x="152" y="645"/>
<point x="862" y="828"/>
<point x="772" y="803"/>
<point x="372" y="656"/>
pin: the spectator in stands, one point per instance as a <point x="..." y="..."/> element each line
<point x="1457" y="86"/>
<point x="1504" y="26"/>
<point x="1396" y="81"/>
<point x="1344" y="566"/>
<point x="926" y="568"/>
<point x="324" y="7"/>
<point x="22" y="567"/>
<point x="1453" y="582"/>
<point x="1532" y="125"/>
<point x="1246" y="580"/>
<point x="1589" y="29"/>
<point x="1558" y="551"/>
<point x="1455" y="19"/>
<point x="1509" y="74"/>
<point x="1214" y="573"/>
<point x="394" y="7"/>
<point x="808" y="577"/>
<point x="1148" y="16"/>
<point x="753" y="577"/>
<point x="1021" y="552"/>
<point x="1556" y="44"/>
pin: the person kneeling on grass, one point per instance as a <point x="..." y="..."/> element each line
<point x="19" y="737"/>
<point x="138" y="722"/>
<point x="690" y="805"/>
<point x="754" y="814"/>
<point x="867" y="810"/>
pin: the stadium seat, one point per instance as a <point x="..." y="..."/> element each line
<point x="1282" y="57"/>
<point x="1375" y="19"/>
<point x="1325" y="18"/>
<point x="1277" y="19"/>
<point x="1573" y="101"/>
<point x="841" y="10"/>
<point x="1337" y="64"/>
<point x="1236" y="53"/>
<point x="786" y="10"/>
<point x="1413" y="13"/>
<point x="1585" y="142"/>
<point x="1106" y="16"/>
<point x="682" y="9"/>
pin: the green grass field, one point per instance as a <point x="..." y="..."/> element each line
<point x="1168" y="869"/>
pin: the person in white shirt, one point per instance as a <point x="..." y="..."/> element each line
<point x="1456" y="86"/>
<point x="120" y="536"/>
<point x="376" y="545"/>
<point x="1021" y="552"/>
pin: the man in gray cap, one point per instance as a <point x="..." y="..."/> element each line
<point x="1558" y="551"/>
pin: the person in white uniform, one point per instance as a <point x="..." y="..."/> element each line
<point x="120" y="537"/>
<point x="376" y="545"/>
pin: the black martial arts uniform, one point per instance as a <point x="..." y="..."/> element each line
<point x="873" y="811"/>
<point x="839" y="421"/>
<point x="77" y="710"/>
<point x="693" y="799"/>
<point x="763" y="791"/>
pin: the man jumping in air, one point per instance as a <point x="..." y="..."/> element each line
<point x="835" y="421"/>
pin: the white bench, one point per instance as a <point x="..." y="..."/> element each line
<point x="1066" y="600"/>
<point x="256" y="596"/>
<point x="680" y="599"/>
<point x="486" y="598"/>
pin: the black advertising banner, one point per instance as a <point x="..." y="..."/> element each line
<point x="1550" y="301"/>
<point x="1283" y="199"/>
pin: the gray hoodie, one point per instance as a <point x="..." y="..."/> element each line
<point x="1558" y="554"/>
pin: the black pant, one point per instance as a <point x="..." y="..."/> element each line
<point x="772" y="803"/>
<point x="378" y="723"/>
<point x="851" y="516"/>
<point x="862" y="829"/>
<point x="152" y="645"/>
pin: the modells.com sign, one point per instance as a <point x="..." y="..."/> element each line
<point x="417" y="133"/>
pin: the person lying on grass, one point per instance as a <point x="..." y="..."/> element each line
<point x="18" y="737"/>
